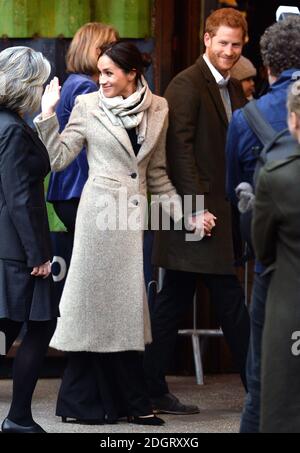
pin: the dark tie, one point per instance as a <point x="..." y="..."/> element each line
<point x="225" y="97"/>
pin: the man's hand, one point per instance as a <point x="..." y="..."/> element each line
<point x="202" y="223"/>
<point x="209" y="222"/>
<point x="42" y="271"/>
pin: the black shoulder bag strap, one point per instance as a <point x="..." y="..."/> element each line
<point x="262" y="129"/>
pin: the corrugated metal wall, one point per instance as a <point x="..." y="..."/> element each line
<point x="53" y="18"/>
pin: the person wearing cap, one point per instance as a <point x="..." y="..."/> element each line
<point x="244" y="71"/>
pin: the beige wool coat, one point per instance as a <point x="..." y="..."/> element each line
<point x="103" y="306"/>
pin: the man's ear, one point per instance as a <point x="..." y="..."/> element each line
<point x="294" y="121"/>
<point x="272" y="79"/>
<point x="297" y="125"/>
<point x="207" y="39"/>
<point x="297" y="122"/>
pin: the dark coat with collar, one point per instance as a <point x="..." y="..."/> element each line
<point x="276" y="237"/>
<point x="24" y="163"/>
<point x="196" y="159"/>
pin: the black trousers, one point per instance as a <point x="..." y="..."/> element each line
<point x="251" y="415"/>
<point x="67" y="212"/>
<point x="176" y="296"/>
<point x="100" y="386"/>
<point x="103" y="387"/>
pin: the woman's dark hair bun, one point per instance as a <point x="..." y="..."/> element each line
<point x="147" y="59"/>
<point x="127" y="56"/>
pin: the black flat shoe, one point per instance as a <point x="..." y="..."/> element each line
<point x="150" y="421"/>
<point x="79" y="421"/>
<point x="9" y="427"/>
<point x="169" y="404"/>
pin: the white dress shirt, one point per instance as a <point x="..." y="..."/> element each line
<point x="222" y="83"/>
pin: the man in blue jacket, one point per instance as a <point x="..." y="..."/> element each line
<point x="280" y="49"/>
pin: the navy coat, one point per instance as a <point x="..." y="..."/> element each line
<point x="241" y="160"/>
<point x="24" y="163"/>
<point x="241" y="140"/>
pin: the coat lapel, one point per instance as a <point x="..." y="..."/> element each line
<point x="213" y="90"/>
<point x="117" y="131"/>
<point x="156" y="120"/>
<point x="156" y="117"/>
<point x="42" y="150"/>
<point x="37" y="141"/>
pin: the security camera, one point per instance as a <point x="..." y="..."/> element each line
<point x="285" y="11"/>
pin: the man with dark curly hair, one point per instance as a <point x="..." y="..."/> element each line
<point x="280" y="49"/>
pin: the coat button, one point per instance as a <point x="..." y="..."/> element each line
<point x="133" y="175"/>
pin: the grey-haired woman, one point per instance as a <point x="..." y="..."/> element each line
<point x="25" y="252"/>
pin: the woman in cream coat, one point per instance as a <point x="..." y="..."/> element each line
<point x="103" y="306"/>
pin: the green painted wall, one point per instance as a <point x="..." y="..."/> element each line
<point x="131" y="17"/>
<point x="54" y="223"/>
<point x="47" y="18"/>
<point x="52" y="18"/>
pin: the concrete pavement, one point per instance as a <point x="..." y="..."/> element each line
<point x="220" y="401"/>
